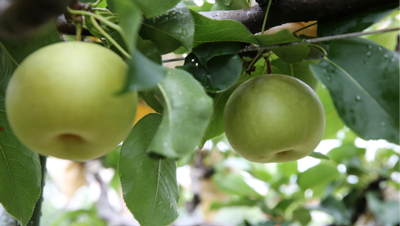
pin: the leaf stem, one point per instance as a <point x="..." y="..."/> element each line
<point x="101" y="30"/>
<point x="303" y="28"/>
<point x="78" y="27"/>
<point x="266" y="16"/>
<point x="319" y="48"/>
<point x="101" y="9"/>
<point x="95" y="3"/>
<point x="108" y="23"/>
<point x="8" y="53"/>
<point x="255" y="59"/>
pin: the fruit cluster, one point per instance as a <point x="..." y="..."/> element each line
<point x="64" y="100"/>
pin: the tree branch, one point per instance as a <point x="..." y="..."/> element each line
<point x="20" y="18"/>
<point x="286" y="11"/>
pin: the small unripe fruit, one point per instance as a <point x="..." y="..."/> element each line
<point x="274" y="118"/>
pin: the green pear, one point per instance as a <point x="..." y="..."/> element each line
<point x="274" y="118"/>
<point x="64" y="101"/>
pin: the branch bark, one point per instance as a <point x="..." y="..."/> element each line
<point x="21" y="18"/>
<point x="286" y="11"/>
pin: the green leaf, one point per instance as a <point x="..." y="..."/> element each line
<point x="152" y="8"/>
<point x="230" y="5"/>
<point x="218" y="75"/>
<point x="216" y="126"/>
<point x="283" y="205"/>
<point x="383" y="154"/>
<point x="351" y="200"/>
<point x="362" y="78"/>
<point x="287" y="169"/>
<point x="300" y="70"/>
<point x="150" y="188"/>
<point x="149" y="50"/>
<point x="21" y="49"/>
<point x="290" y="54"/>
<point x="209" y="30"/>
<point x="20" y="174"/>
<point x="333" y="123"/>
<point x="388" y="39"/>
<point x="187" y="111"/>
<point x="207" y="51"/>
<point x="7" y="67"/>
<point x="143" y="73"/>
<point x="387" y="212"/>
<point x="193" y="6"/>
<point x="149" y="97"/>
<point x="260" y="172"/>
<point x="234" y="183"/>
<point x="346" y="151"/>
<point x="319" y="155"/>
<point x="280" y="37"/>
<point x="171" y="30"/>
<point x="278" y="182"/>
<point x="130" y="18"/>
<point x="80" y="217"/>
<point x="336" y="209"/>
<point x="241" y="201"/>
<point x="317" y="176"/>
<point x="273" y="223"/>
<point x="301" y="215"/>
<point x="354" y="22"/>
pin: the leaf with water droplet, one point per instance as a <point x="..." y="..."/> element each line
<point x="168" y="32"/>
<point x="217" y="74"/>
<point x="206" y="51"/>
<point x="209" y="30"/>
<point x="365" y="94"/>
<point x="333" y="123"/>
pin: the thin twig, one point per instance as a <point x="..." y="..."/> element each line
<point x="318" y="40"/>
<point x="306" y="41"/>
<point x="173" y="60"/>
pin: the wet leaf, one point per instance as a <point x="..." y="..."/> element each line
<point x="362" y="78"/>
